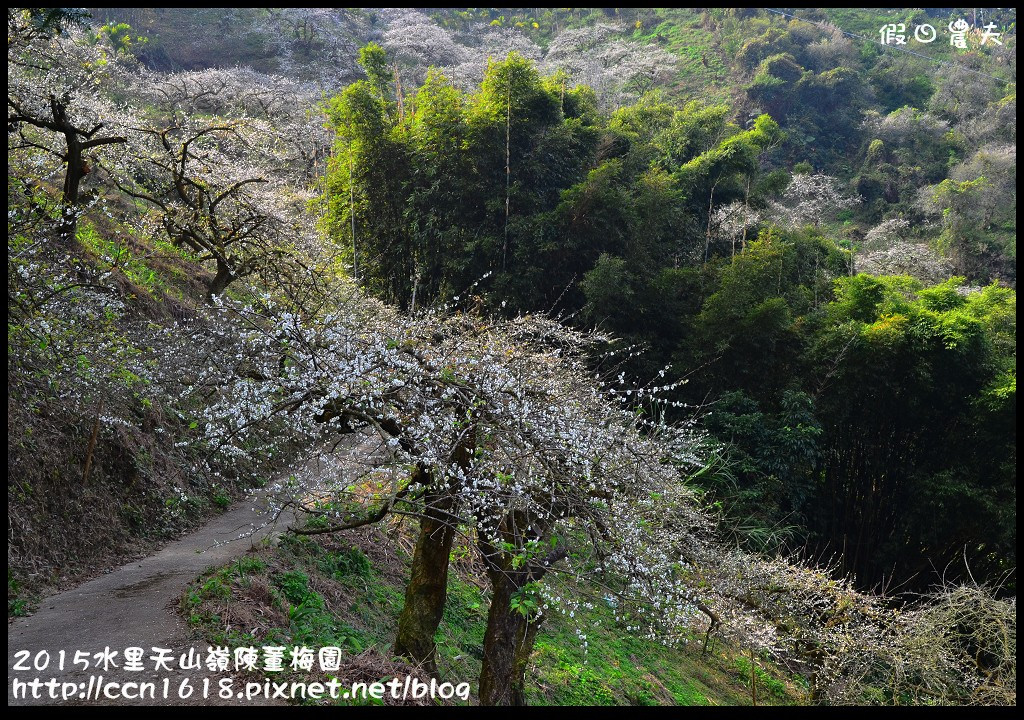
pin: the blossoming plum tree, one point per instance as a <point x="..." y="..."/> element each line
<point x="493" y="425"/>
<point x="52" y="102"/>
<point x="498" y="430"/>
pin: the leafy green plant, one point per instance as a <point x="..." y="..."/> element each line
<point x="527" y="600"/>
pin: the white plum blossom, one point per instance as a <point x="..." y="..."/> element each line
<point x="810" y="200"/>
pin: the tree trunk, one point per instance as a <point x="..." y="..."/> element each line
<point x="427" y="591"/>
<point x="221" y="280"/>
<point x="508" y="644"/>
<point x="428" y="584"/>
<point x="74" y="160"/>
<point x="72" y="182"/>
<point x="746" y="217"/>
<point x="707" y="232"/>
<point x="73" y="177"/>
<point x="78" y="140"/>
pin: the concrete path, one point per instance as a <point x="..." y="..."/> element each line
<point x="133" y="606"/>
<point x="136" y="606"/>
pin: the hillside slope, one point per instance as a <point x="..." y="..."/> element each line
<point x="611" y="364"/>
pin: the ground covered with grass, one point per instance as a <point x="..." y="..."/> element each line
<point x="347" y="590"/>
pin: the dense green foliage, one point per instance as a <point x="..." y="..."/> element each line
<point x="428" y="187"/>
<point x="858" y="414"/>
<point x="524" y="179"/>
<point x="882" y="423"/>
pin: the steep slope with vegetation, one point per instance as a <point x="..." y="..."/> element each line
<point x="193" y="254"/>
<point x="346" y="592"/>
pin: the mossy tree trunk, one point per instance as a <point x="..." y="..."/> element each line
<point x="512" y="620"/>
<point x="427" y="590"/>
<point x="508" y="643"/>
